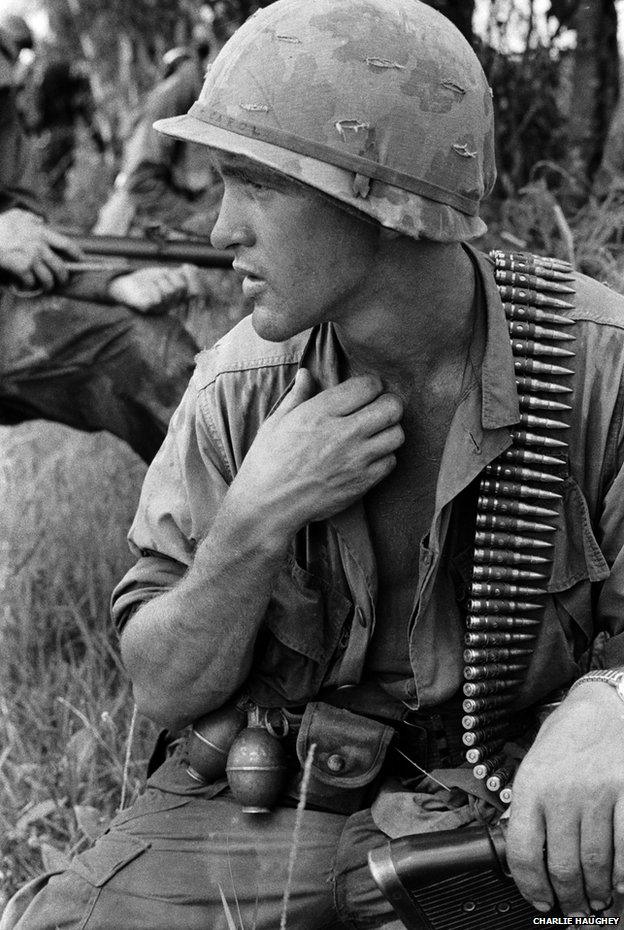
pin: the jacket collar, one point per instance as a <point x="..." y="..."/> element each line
<point x="499" y="396"/>
<point x="493" y="366"/>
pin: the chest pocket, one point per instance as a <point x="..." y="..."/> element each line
<point x="578" y="561"/>
<point x="568" y="629"/>
<point x="306" y="621"/>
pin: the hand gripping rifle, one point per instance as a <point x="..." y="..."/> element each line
<point x="116" y="253"/>
<point x="451" y="880"/>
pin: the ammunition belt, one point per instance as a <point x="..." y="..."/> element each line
<point x="517" y="510"/>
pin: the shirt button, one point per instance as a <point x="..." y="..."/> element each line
<point x="336" y="763"/>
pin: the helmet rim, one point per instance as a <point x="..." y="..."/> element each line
<point x="332" y="181"/>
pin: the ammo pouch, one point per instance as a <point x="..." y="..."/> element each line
<point x="349" y="753"/>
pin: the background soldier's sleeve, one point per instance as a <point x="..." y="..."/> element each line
<point x="18" y="184"/>
<point x="152" y="158"/>
<point x="92" y="366"/>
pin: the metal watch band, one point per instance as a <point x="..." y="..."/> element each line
<point x="610" y="676"/>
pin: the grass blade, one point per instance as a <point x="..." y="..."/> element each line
<point x="228" y="913"/>
<point x="294" y="846"/>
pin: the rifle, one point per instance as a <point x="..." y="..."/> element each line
<point x="452" y="880"/>
<point x="156" y="249"/>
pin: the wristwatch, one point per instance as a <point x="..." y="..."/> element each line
<point x="611" y="676"/>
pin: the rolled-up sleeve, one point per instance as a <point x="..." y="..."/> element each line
<point x="183" y="490"/>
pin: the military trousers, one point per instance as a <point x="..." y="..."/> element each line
<point x="171" y="861"/>
<point x="92" y="366"/>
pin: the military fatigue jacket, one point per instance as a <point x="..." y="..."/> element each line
<point x="322" y="611"/>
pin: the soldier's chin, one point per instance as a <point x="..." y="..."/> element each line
<point x="271" y="326"/>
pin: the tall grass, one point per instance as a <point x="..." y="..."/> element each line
<point x="65" y="706"/>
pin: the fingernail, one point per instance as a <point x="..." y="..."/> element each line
<point x="542" y="906"/>
<point x="599" y="905"/>
<point x="620" y="887"/>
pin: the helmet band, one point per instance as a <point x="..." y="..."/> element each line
<point x="346" y="160"/>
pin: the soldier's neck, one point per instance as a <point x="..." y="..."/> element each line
<point x="415" y="325"/>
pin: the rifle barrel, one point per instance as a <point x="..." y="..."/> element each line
<point x="174" y="250"/>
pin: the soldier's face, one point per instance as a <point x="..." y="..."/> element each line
<point x="303" y="260"/>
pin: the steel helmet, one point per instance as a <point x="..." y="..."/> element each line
<point x="382" y="104"/>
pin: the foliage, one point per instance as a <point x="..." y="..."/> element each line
<point x="534" y="220"/>
<point x="530" y="125"/>
<point x="101" y="21"/>
<point x="554" y="84"/>
<point x="529" y="92"/>
<point x="65" y="704"/>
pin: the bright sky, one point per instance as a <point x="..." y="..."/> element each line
<point x="36" y="16"/>
<point x="541" y="7"/>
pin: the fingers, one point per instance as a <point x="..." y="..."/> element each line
<point x="576" y="872"/>
<point x="168" y="289"/>
<point x="43" y="274"/>
<point x="563" y="852"/>
<point x="173" y="280"/>
<point x="27" y="279"/>
<point x="526" y="837"/>
<point x="385" y="443"/>
<point x="149" y="290"/>
<point x="596" y="849"/>
<point x="55" y="265"/>
<point x="379" y="469"/>
<point x="381" y="414"/>
<point x="618" y="846"/>
<point x="351" y="395"/>
<point x="303" y="389"/>
<point x="62" y="244"/>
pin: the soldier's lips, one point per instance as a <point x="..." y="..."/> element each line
<point x="252" y="283"/>
<point x="252" y="286"/>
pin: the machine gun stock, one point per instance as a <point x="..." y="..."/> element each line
<point x="451" y="880"/>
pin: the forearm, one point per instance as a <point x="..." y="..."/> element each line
<point x="190" y="649"/>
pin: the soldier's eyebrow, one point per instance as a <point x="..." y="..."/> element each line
<point x="251" y="172"/>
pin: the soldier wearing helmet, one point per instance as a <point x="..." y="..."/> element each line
<point x="70" y="357"/>
<point x="342" y="475"/>
<point x="164" y="180"/>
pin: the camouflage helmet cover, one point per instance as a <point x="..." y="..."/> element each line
<point x="381" y="104"/>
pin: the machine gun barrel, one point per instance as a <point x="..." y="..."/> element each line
<point x="173" y="251"/>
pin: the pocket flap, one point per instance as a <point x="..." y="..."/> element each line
<point x="110" y="854"/>
<point x="349" y="749"/>
<point x="306" y="613"/>
<point x="577" y="555"/>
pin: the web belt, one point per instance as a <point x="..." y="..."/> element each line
<point x="518" y="506"/>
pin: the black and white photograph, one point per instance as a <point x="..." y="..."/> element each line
<point x="311" y="464"/>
